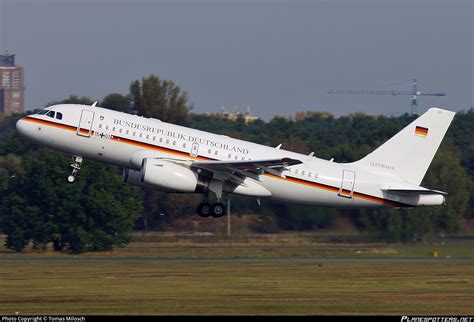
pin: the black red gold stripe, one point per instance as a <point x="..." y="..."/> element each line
<point x="345" y="192"/>
<point x="50" y="123"/>
<point x="186" y="155"/>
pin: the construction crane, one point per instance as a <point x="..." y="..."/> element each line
<point x="414" y="93"/>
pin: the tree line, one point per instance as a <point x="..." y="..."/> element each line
<point x="98" y="211"/>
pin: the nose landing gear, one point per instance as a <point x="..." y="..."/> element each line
<point x="76" y="166"/>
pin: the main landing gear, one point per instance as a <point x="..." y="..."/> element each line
<point x="206" y="209"/>
<point x="216" y="209"/>
<point x="76" y="166"/>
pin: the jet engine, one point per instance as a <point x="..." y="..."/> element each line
<point x="170" y="176"/>
<point x="132" y="177"/>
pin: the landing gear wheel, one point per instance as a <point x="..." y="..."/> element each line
<point x="218" y="210"/>
<point x="76" y="166"/>
<point x="204" y="209"/>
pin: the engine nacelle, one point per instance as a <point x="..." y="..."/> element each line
<point x="132" y="177"/>
<point x="173" y="177"/>
<point x="170" y="176"/>
<point x="137" y="157"/>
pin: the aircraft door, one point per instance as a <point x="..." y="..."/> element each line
<point x="85" y="124"/>
<point x="347" y="185"/>
<point x="194" y="150"/>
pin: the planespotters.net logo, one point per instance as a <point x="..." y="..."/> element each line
<point x="437" y="319"/>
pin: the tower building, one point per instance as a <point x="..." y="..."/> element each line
<point x="12" y="86"/>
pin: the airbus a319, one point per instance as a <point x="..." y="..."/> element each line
<point x="172" y="158"/>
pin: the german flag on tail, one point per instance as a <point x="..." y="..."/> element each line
<point x="421" y="130"/>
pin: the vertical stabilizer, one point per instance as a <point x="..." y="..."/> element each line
<point x="409" y="153"/>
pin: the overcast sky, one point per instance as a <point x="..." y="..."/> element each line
<point x="279" y="57"/>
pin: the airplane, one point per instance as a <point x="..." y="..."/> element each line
<point x="172" y="158"/>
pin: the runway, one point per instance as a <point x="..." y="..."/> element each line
<point x="245" y="260"/>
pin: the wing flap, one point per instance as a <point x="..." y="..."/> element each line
<point x="269" y="163"/>
<point x="250" y="168"/>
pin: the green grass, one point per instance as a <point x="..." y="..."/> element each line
<point x="222" y="287"/>
<point x="235" y="288"/>
<point x="288" y="245"/>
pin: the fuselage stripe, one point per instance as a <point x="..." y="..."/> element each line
<point x="345" y="192"/>
<point x="50" y="123"/>
<point x="186" y="155"/>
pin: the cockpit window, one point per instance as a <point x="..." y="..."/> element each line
<point x="50" y="114"/>
<point x="59" y="116"/>
<point x="43" y="112"/>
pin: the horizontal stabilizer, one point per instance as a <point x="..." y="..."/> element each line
<point x="411" y="191"/>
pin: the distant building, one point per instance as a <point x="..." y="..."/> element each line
<point x="12" y="86"/>
<point x="248" y="118"/>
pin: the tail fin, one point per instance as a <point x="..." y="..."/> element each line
<point x="408" y="153"/>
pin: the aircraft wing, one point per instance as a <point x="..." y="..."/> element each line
<point x="236" y="171"/>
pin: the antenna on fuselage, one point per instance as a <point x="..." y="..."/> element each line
<point x="94" y="104"/>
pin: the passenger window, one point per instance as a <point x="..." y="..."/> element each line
<point x="174" y="142"/>
<point x="147" y="137"/>
<point x="154" y="138"/>
<point x="167" y="141"/>
<point x="50" y="114"/>
<point x="127" y="132"/>
<point x="133" y="133"/>
<point x="161" y="139"/>
<point x="140" y="135"/>
<point x="230" y="156"/>
<point x="215" y="152"/>
<point x="209" y="151"/>
<point x="236" y="157"/>
<point x="106" y="127"/>
<point x="184" y="145"/>
<point x="120" y="130"/>
<point x="302" y="173"/>
<point x="59" y="116"/>
<point x="100" y="126"/>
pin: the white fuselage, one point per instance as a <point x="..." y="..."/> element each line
<point x="123" y="139"/>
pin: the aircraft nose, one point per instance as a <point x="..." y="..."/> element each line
<point x="22" y="127"/>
